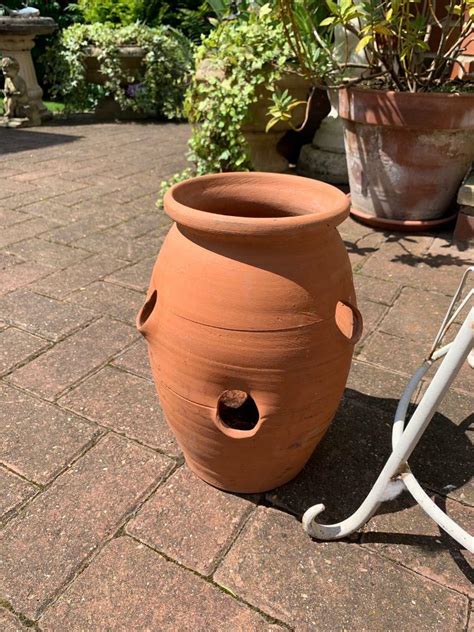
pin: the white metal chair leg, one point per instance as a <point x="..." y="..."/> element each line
<point x="396" y="472"/>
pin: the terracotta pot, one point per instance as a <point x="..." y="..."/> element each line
<point x="250" y="321"/>
<point x="406" y="153"/>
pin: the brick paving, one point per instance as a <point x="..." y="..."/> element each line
<point x="103" y="526"/>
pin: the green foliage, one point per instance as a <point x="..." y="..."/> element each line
<point x="281" y="108"/>
<point x="241" y="57"/>
<point x="121" y="12"/>
<point x="158" y="87"/>
<point x="189" y="16"/>
<point x="411" y="45"/>
<point x="236" y="8"/>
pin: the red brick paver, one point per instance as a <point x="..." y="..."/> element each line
<point x="58" y="532"/>
<point x="190" y="521"/>
<point x="10" y="623"/>
<point x="275" y="566"/>
<point x="63" y="365"/>
<point x="131" y="588"/>
<point x="125" y="403"/>
<point x="15" y="491"/>
<point x="59" y="436"/>
<point x="104" y="528"/>
<point x="42" y="315"/>
<point x="411" y="538"/>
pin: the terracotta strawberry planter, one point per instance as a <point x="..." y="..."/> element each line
<point x="407" y="154"/>
<point x="250" y="321"/>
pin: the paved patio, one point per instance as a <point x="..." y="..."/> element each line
<point x="104" y="527"/>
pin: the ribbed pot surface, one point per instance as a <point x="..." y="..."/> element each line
<point x="251" y="321"/>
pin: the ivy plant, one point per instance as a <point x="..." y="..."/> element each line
<point x="158" y="87"/>
<point x="240" y="56"/>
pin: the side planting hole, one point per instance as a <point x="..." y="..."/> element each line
<point x="147" y="309"/>
<point x="349" y="321"/>
<point x="237" y="410"/>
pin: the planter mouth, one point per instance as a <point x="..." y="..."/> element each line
<point x="255" y="203"/>
<point x="416" y="110"/>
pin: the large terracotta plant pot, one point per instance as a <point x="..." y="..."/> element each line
<point x="406" y="153"/>
<point x="250" y="321"/>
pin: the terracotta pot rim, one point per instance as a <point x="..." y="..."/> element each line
<point x="420" y="110"/>
<point x="300" y="203"/>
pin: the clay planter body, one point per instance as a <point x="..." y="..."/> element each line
<point x="250" y="321"/>
<point x="406" y="153"/>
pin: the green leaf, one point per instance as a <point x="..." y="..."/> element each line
<point x="363" y="43"/>
<point x="270" y="124"/>
<point x="333" y="7"/>
<point x="328" y="21"/>
<point x="266" y="9"/>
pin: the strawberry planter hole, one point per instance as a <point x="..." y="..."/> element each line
<point x="237" y="410"/>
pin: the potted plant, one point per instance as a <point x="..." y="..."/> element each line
<point x="139" y="69"/>
<point x="409" y="128"/>
<point x="244" y="67"/>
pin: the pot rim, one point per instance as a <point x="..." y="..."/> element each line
<point x="314" y="205"/>
<point x="418" y="110"/>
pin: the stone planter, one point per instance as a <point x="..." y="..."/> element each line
<point x="263" y="146"/>
<point x="250" y="321"/>
<point x="407" y="154"/>
<point x="17" y="39"/>
<point x="131" y="62"/>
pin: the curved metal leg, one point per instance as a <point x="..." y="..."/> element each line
<point x="404" y="440"/>
<point x="408" y="478"/>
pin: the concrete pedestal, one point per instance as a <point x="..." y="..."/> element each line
<point x="325" y="158"/>
<point x="17" y="38"/>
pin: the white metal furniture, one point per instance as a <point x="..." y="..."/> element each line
<point x="396" y="475"/>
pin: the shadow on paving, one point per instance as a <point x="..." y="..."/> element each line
<point x="433" y="261"/>
<point x="429" y="259"/>
<point x="15" y="140"/>
<point x="346" y="464"/>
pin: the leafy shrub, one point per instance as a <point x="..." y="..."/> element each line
<point x="189" y="16"/>
<point x="122" y="12"/>
<point x="244" y="55"/>
<point x="158" y="88"/>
